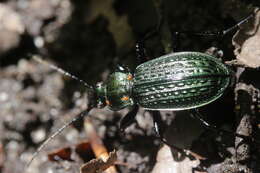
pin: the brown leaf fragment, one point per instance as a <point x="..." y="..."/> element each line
<point x="61" y="154"/>
<point x="84" y="150"/>
<point x="99" y="165"/>
<point x="2" y="157"/>
<point x="247" y="43"/>
<point x="97" y="145"/>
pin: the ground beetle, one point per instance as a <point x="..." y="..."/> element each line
<point x="175" y="81"/>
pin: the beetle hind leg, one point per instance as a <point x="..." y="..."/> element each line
<point x="215" y="34"/>
<point x="220" y="33"/>
<point x="195" y="113"/>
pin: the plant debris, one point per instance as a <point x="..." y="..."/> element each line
<point x="61" y="154"/>
<point x="247" y="43"/>
<point x="100" y="164"/>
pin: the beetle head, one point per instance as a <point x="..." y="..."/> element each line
<point x="115" y="92"/>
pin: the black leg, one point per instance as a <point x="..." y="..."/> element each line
<point x="195" y="113"/>
<point x="206" y="124"/>
<point x="141" y="52"/>
<point x="157" y="122"/>
<point x="128" y="119"/>
<point x="218" y="33"/>
<point x="158" y="128"/>
<point x="140" y="45"/>
<point x="176" y="34"/>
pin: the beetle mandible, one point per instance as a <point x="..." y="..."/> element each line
<point x="175" y="81"/>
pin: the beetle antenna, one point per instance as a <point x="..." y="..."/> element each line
<point x="44" y="144"/>
<point x="65" y="73"/>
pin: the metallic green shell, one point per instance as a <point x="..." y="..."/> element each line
<point x="180" y="81"/>
<point x="117" y="87"/>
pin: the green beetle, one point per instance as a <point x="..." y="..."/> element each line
<point x="175" y="81"/>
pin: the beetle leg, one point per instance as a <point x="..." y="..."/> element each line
<point x="195" y="113"/>
<point x="128" y="119"/>
<point x="140" y="45"/>
<point x="141" y="52"/>
<point x="219" y="34"/>
<point x="198" y="116"/>
<point x="158" y="128"/>
<point x="157" y="122"/>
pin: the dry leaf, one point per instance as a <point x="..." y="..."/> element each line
<point x="167" y="164"/>
<point x="61" y="154"/>
<point x="99" y="165"/>
<point x="99" y="150"/>
<point x="247" y="43"/>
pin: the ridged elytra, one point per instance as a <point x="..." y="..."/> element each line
<point x="180" y="81"/>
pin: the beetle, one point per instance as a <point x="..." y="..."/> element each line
<point x="175" y="81"/>
<point x="170" y="82"/>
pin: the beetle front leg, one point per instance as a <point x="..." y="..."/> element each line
<point x="158" y="128"/>
<point x="128" y="119"/>
<point x="140" y="45"/>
